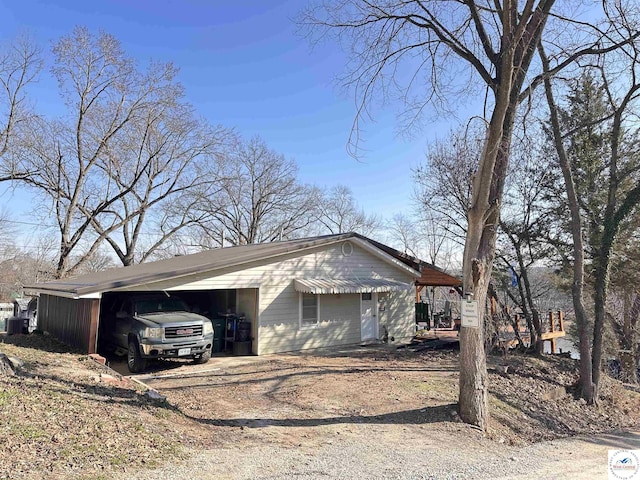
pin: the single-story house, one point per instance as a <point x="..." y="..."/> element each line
<point x="298" y="294"/>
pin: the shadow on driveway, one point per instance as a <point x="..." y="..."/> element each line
<point x="429" y="414"/>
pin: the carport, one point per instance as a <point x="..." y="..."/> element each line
<point x="79" y="322"/>
<point x="74" y="310"/>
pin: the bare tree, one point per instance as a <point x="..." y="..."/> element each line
<point x="496" y="42"/>
<point x="175" y="147"/>
<point x="97" y="262"/>
<point x="422" y="238"/>
<point x="24" y="265"/>
<point x="524" y="226"/>
<point x="623" y="316"/>
<point x="444" y="192"/>
<point x="577" y="288"/>
<point x="337" y="211"/>
<point x="623" y="305"/>
<point x="442" y="249"/>
<point x="260" y="198"/>
<point x="444" y="182"/>
<point x="104" y="92"/>
<point x="404" y="233"/>
<point x="20" y="64"/>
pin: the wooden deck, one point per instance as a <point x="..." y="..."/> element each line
<point x="554" y="328"/>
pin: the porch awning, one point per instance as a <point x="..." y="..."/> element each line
<point x="321" y="286"/>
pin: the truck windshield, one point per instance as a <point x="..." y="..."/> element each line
<point x="154" y="305"/>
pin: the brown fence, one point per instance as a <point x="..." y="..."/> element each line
<point x="72" y="321"/>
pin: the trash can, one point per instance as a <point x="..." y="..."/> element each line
<point x="219" y="325"/>
<point x="244" y="332"/>
<point x="15" y="325"/>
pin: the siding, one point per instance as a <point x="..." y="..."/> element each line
<point x="339" y="324"/>
<point x="278" y="309"/>
<point x="400" y="316"/>
<point x="74" y="322"/>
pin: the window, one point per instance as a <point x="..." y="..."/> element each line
<point x="366" y="296"/>
<point x="308" y="310"/>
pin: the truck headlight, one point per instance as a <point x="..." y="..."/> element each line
<point x="153" y="332"/>
<point x="208" y="328"/>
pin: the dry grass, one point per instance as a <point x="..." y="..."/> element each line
<point x="60" y="421"/>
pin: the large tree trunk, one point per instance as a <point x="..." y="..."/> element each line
<point x="473" y="367"/>
<point x="600" y="300"/>
<point x="518" y="46"/>
<point x="479" y="253"/>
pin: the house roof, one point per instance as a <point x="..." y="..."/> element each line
<point x="93" y="284"/>
<point x="431" y="276"/>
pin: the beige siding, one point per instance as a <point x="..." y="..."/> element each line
<point x="400" y="316"/>
<point x="279" y="328"/>
<point x="339" y="324"/>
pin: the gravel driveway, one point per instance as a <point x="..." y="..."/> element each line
<point x="369" y="414"/>
<point x="410" y="458"/>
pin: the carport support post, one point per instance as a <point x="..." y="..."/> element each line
<point x="93" y="328"/>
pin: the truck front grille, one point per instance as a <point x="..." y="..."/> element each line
<point x="183" y="331"/>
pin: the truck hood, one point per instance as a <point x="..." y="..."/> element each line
<point x="163" y="318"/>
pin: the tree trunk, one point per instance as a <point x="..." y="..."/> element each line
<point x="577" y="287"/>
<point x="627" y="341"/>
<point x="600" y="299"/>
<point x="539" y="344"/>
<point x="479" y="253"/>
<point x="586" y="378"/>
<point x="63" y="260"/>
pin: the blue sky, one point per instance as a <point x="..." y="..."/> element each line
<point x="243" y="65"/>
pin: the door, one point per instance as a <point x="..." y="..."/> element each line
<point x="368" y="314"/>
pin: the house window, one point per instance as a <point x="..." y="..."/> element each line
<point x="366" y="296"/>
<point x="308" y="310"/>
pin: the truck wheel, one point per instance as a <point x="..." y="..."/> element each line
<point x="135" y="362"/>
<point x="204" y="358"/>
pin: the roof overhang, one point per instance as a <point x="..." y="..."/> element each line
<point x="59" y="292"/>
<point x="94" y="285"/>
<point x="433" y="277"/>
<point x="326" y="286"/>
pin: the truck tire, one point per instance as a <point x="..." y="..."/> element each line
<point x="204" y="358"/>
<point x="135" y="362"/>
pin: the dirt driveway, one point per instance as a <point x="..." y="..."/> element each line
<point x="304" y="400"/>
<point x="352" y="385"/>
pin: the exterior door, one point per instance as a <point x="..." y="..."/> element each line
<point x="368" y="314"/>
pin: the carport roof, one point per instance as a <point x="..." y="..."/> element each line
<point x="94" y="284"/>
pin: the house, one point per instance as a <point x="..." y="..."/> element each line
<point x="297" y="294"/>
